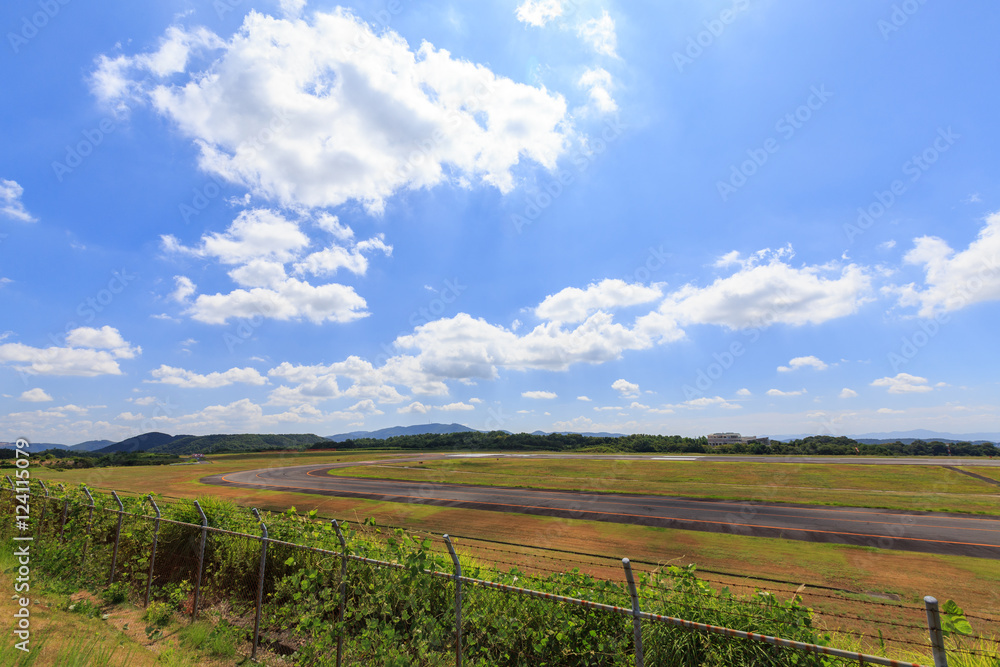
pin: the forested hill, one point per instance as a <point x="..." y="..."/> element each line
<point x="673" y="444"/>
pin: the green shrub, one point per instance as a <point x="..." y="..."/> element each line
<point x="158" y="614"/>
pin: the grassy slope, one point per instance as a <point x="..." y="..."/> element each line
<point x="931" y="488"/>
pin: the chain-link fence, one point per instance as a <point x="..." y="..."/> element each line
<point x="326" y="594"/>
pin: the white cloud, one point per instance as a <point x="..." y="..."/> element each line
<point x="86" y="355"/>
<point x="761" y="294"/>
<point x="35" y="396"/>
<point x="848" y="393"/>
<point x="598" y="84"/>
<point x="105" y="338"/>
<point x="260" y="242"/>
<point x="744" y="392"/>
<point x="10" y="201"/>
<point x="953" y="280"/>
<point x="539" y="394"/>
<point x="255" y="234"/>
<point x="180" y="377"/>
<point x="803" y="362"/>
<point x="904" y="383"/>
<point x="889" y="411"/>
<point x="625" y="388"/>
<point x="539" y="12"/>
<point x="599" y="34"/>
<point x="464" y="347"/>
<point x="184" y="289"/>
<point x="414" y="407"/>
<point x="778" y="392"/>
<point x="574" y="305"/>
<point x="887" y="245"/>
<point x="322" y="111"/>
<point x="456" y="407"/>
<point x="715" y="401"/>
<point x="583" y="398"/>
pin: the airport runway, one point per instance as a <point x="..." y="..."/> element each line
<point x="932" y="532"/>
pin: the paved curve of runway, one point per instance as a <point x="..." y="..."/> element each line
<point x="931" y="532"/>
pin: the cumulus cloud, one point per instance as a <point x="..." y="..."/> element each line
<point x="713" y="401"/>
<point x="848" y="393"/>
<point x="180" y="377"/>
<point x="599" y="34"/>
<point x="804" y="362"/>
<point x="904" y="383"/>
<point x="35" y="396"/>
<point x="89" y="352"/>
<point x="325" y="110"/>
<point x="598" y="84"/>
<point x="744" y="392"/>
<point x="577" y="327"/>
<point x="953" y="280"/>
<point x="583" y="398"/>
<point x="10" y="201"/>
<point x="539" y="394"/>
<point x="625" y="388"/>
<point x="574" y="305"/>
<point x="765" y="290"/>
<point x="778" y="392"/>
<point x="416" y="407"/>
<point x="538" y="12"/>
<point x="260" y="243"/>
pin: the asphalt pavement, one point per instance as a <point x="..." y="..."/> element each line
<point x="931" y="532"/>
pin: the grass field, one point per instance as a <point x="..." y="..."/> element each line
<point x="929" y="488"/>
<point x="992" y="473"/>
<point x="973" y="583"/>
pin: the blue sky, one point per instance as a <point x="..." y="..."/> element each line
<point x="580" y="215"/>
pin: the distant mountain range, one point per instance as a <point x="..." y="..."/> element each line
<point x="416" y="429"/>
<point x="88" y="446"/>
<point x="907" y="437"/>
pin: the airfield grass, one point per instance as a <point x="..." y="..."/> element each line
<point x="875" y="574"/>
<point x="905" y="487"/>
<point x="992" y="473"/>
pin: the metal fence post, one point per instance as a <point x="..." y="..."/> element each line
<point x="934" y="628"/>
<point x="90" y="520"/>
<point x="65" y="514"/>
<point x="152" y="558"/>
<point x="118" y="534"/>
<point x="636" y="611"/>
<point x="458" y="601"/>
<point x="343" y="589"/>
<point x="12" y="486"/>
<point x="201" y="561"/>
<point x="260" y="584"/>
<point x="45" y="501"/>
